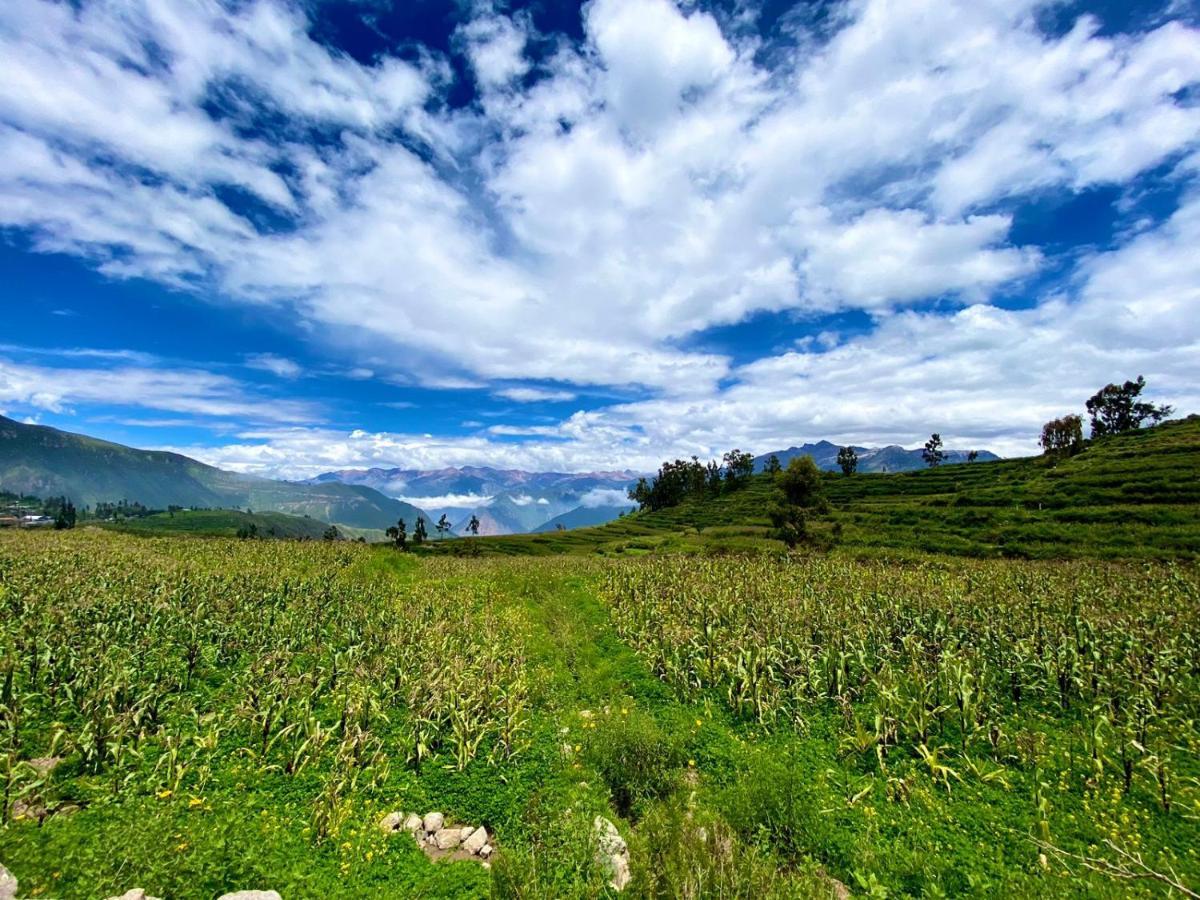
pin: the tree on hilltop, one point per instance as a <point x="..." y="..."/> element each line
<point x="933" y="453"/>
<point x="1062" y="437"/>
<point x="1116" y="408"/>
<point x="848" y="460"/>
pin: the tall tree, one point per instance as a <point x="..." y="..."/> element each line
<point x="772" y="466"/>
<point x="932" y="454"/>
<point x="331" y="534"/>
<point x="399" y="535"/>
<point x="801" y="493"/>
<point x="419" y="532"/>
<point x="848" y="460"/>
<point x="739" y="466"/>
<point x="972" y="456"/>
<point x="473" y="525"/>
<point x="1062" y="437"/>
<point x="1116" y="408"/>
<point x="442" y="526"/>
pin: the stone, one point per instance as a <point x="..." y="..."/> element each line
<point x="433" y="821"/>
<point x="8" y="884"/>
<point x="413" y="823"/>
<point x="134" y="894"/>
<point x="44" y="765"/>
<point x="476" y="840"/>
<point x="391" y="823"/>
<point x="448" y="838"/>
<point x="466" y="831"/>
<point x="251" y="895"/>
<point x="612" y="853"/>
<point x="486" y="851"/>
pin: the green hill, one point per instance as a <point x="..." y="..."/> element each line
<point x="223" y="523"/>
<point x="46" y="462"/>
<point x="1129" y="496"/>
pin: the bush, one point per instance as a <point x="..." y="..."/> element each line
<point x="637" y="760"/>
<point x="692" y="853"/>
<point x="783" y="803"/>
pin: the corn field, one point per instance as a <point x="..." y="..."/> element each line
<point x="150" y="664"/>
<point x="963" y="671"/>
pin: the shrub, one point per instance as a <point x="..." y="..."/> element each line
<point x="636" y="758"/>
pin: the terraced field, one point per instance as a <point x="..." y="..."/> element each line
<point x="1133" y="496"/>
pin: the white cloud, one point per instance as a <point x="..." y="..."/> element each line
<point x="651" y="183"/>
<point x="276" y="365"/>
<point x="495" y="46"/>
<point x="604" y="497"/>
<point x="534" y="395"/>
<point x="449" y="501"/>
<point x="190" y="391"/>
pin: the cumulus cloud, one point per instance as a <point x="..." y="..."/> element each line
<point x="596" y="208"/>
<point x="190" y="391"/>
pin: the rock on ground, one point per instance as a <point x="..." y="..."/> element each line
<point x="612" y="853"/>
<point x="433" y="821"/>
<point x="475" y="841"/>
<point x="134" y="894"/>
<point x="251" y="895"/>
<point x="391" y="822"/>
<point x="413" y="823"/>
<point x="8" y="884"/>
<point x="448" y="838"/>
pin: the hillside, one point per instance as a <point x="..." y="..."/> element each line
<point x="585" y="517"/>
<point x="1130" y="496"/>
<point x="46" y="462"/>
<point x="892" y="458"/>
<point x="223" y="523"/>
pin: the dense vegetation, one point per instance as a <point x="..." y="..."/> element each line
<point x="241" y="713"/>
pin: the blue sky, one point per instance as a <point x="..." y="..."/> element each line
<point x="287" y="237"/>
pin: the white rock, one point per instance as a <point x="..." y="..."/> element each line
<point x="251" y="895"/>
<point x="476" y="840"/>
<point x="8" y="884"/>
<point x="448" y="838"/>
<point x="391" y="822"/>
<point x="466" y="832"/>
<point x="433" y="821"/>
<point x="612" y="853"/>
<point x="413" y="823"/>
<point x="486" y="850"/>
<point x="134" y="894"/>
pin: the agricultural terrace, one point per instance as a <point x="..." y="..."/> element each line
<point x="194" y="715"/>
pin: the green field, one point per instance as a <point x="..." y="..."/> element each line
<point x="240" y="714"/>
<point x="1134" y="496"/>
<point x="223" y="523"/>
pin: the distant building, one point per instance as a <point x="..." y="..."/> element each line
<point x="9" y="521"/>
<point x="35" y="521"/>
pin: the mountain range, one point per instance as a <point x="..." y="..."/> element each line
<point x="892" y="458"/>
<point x="46" y="462"/>
<point x="505" y="501"/>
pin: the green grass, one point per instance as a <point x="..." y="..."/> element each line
<point x="1134" y="496"/>
<point x="221" y="523"/>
